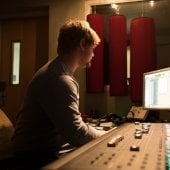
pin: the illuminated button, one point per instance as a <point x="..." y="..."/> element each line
<point x="138" y="136"/>
<point x="134" y="148"/>
<point x="138" y="131"/>
<point x="114" y="141"/>
<point x="137" y="123"/>
<point x="145" y="130"/>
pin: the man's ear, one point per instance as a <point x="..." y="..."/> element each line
<point x="82" y="44"/>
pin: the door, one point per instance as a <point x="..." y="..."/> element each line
<point x="26" y="40"/>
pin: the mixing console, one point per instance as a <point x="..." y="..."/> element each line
<point x="131" y="146"/>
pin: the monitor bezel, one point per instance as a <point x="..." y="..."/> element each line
<point x="149" y="73"/>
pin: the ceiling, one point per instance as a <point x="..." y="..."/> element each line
<point x="160" y="12"/>
<point x="23" y="8"/>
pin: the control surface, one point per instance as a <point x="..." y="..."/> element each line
<point x="131" y="146"/>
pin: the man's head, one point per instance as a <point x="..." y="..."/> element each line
<point x="75" y="33"/>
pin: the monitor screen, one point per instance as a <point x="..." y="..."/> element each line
<point x="156" y="89"/>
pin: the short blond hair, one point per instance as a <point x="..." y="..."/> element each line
<point x="72" y="32"/>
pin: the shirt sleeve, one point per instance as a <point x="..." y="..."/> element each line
<point x="61" y="103"/>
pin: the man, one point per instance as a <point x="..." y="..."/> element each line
<point x="49" y="116"/>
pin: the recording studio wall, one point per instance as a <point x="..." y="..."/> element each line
<point x="95" y="74"/>
<point x="142" y="55"/>
<point x="117" y="55"/>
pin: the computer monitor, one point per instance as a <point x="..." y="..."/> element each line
<point x="156" y="89"/>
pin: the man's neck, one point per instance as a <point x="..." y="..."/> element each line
<point x="69" y="61"/>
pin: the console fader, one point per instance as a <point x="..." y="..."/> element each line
<point x="131" y="146"/>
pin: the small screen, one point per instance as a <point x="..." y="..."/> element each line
<point x="156" y="89"/>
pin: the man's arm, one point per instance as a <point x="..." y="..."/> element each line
<point x="62" y="107"/>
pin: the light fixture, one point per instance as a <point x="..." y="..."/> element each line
<point x="115" y="7"/>
<point x="152" y="3"/>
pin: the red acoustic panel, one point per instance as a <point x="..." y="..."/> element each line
<point x="117" y="55"/>
<point x="143" y="54"/>
<point x="95" y="74"/>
